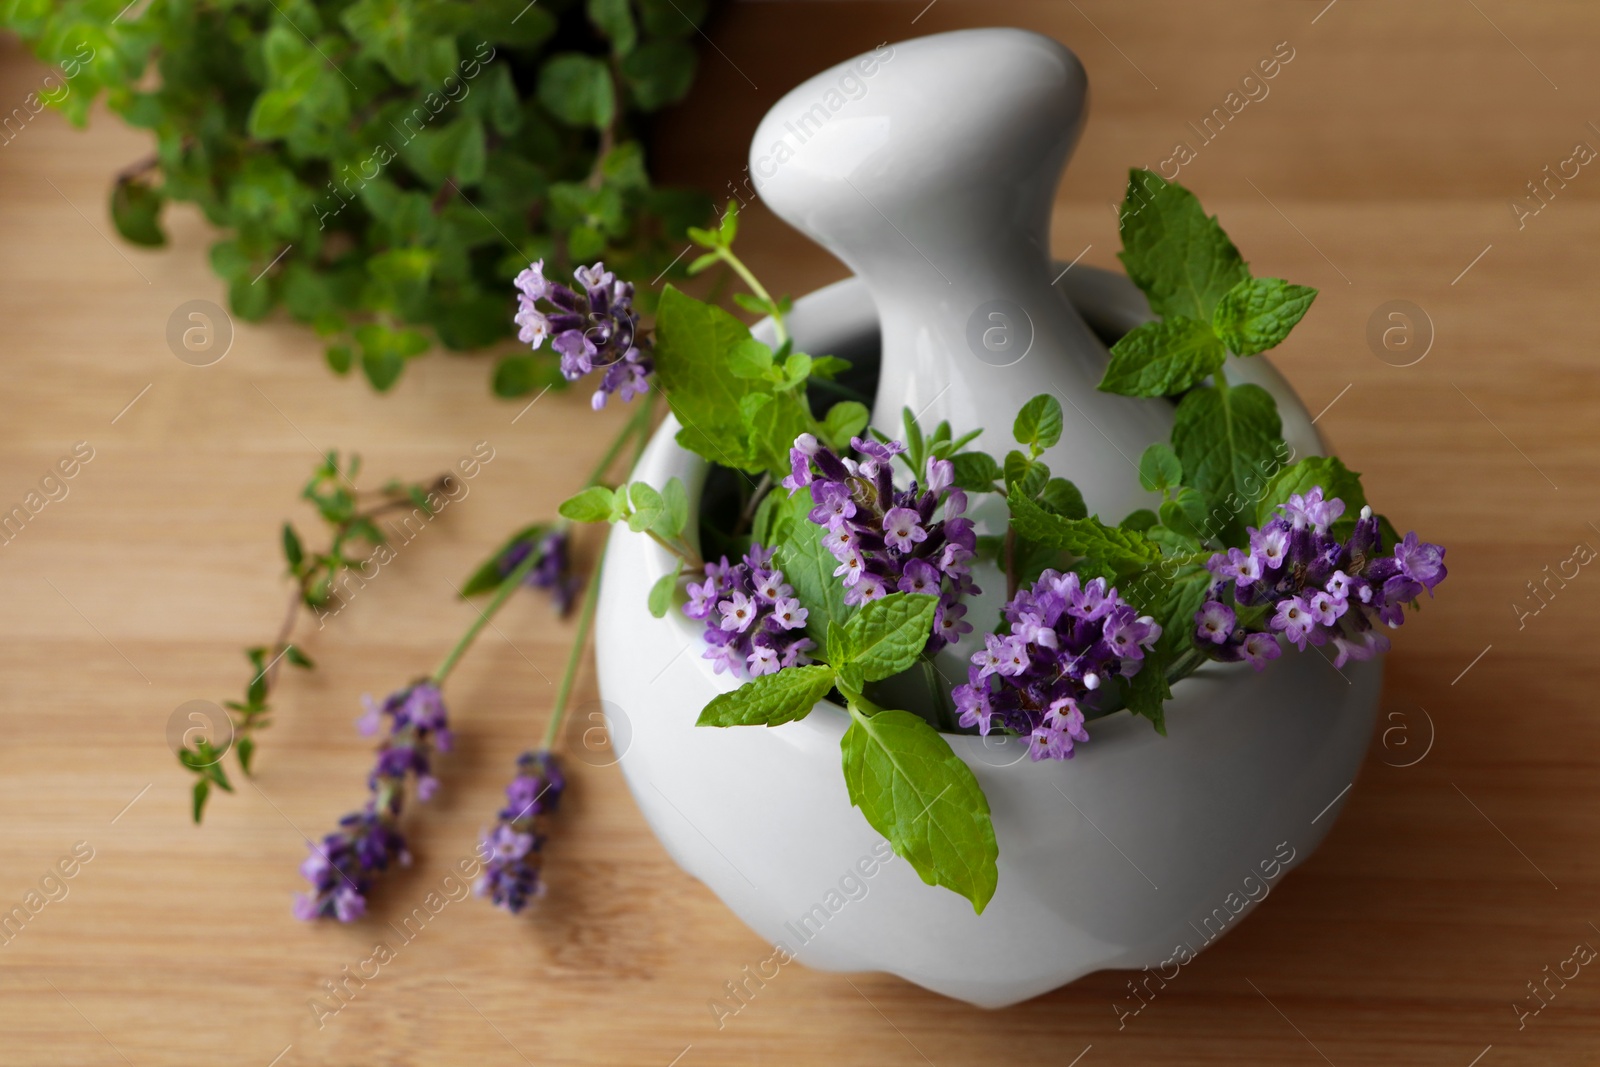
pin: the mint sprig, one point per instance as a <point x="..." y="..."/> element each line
<point x="901" y="772"/>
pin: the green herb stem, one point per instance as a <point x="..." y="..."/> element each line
<point x="726" y="254"/>
<point x="501" y="595"/>
<point x="640" y="423"/>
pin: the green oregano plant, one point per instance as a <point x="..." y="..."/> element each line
<point x="381" y="168"/>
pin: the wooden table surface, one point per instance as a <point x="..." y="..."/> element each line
<point x="1380" y="167"/>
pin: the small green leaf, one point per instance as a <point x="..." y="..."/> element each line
<point x="1118" y="549"/>
<point x="888" y="634"/>
<point x="1039" y="423"/>
<point x="1163" y="358"/>
<point x="919" y="795"/>
<point x="976" y="472"/>
<point x="1024" y="475"/>
<point x="662" y="592"/>
<point x="1187" y="513"/>
<point x="293" y="654"/>
<point x="136" y="212"/>
<point x="1175" y="252"/>
<point x="291" y="548"/>
<point x="648" y="507"/>
<point x="676" y="498"/>
<point x="594" y="504"/>
<point x="1148" y="691"/>
<point x="1159" y="468"/>
<point x="339" y="358"/>
<point x="659" y="73"/>
<point x="1061" y="497"/>
<point x="246" y="748"/>
<point x="577" y="89"/>
<point x="1258" y="314"/>
<point x="844" y="420"/>
<point x="202" y="789"/>
<point x="770" y="699"/>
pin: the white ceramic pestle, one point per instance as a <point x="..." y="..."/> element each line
<point x="930" y="167"/>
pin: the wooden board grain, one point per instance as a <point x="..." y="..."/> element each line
<point x="1380" y="166"/>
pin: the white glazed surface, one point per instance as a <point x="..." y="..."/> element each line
<point x="935" y="185"/>
<point x="1111" y="859"/>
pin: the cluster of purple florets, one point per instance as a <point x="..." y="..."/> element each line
<point x="888" y="540"/>
<point x="552" y="571"/>
<point x="593" y="330"/>
<point x="511" y="872"/>
<point x="342" y="868"/>
<point x="1068" y="638"/>
<point x="754" y="622"/>
<point x="1317" y="588"/>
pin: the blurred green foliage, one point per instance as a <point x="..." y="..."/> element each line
<point x="382" y="169"/>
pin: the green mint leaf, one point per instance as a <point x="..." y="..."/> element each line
<point x="246" y="748"/>
<point x="1061" y="497"/>
<point x="293" y="654"/>
<point x="1187" y="514"/>
<point x="920" y="796"/>
<point x="1039" y="423"/>
<point x="594" y="504"/>
<point x="662" y="592"/>
<point x="771" y="699"/>
<point x="976" y="472"/>
<point x="836" y="648"/>
<point x="1024" y="475"/>
<point x="888" y="634"/>
<point x="1328" y="472"/>
<point x="737" y="422"/>
<point x="1163" y="358"/>
<point x="1257" y="314"/>
<point x="1148" y="691"/>
<point x="1173" y="251"/>
<point x="648" y="507"/>
<point x="1120" y="550"/>
<point x="291" y="547"/>
<point x="1159" y="468"/>
<point x="808" y="566"/>
<point x="1230" y="442"/>
<point x="1190" y="588"/>
<point x="1140" y="519"/>
<point x="749" y="359"/>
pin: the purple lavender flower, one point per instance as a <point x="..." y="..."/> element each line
<point x="888" y="540"/>
<point x="511" y="874"/>
<point x="344" y="866"/>
<point x="754" y="623"/>
<point x="1299" y="581"/>
<point x="1068" y="638"/>
<point x="593" y="330"/>
<point x="552" y="572"/>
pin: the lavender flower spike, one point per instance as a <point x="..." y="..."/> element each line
<point x="1301" y="582"/>
<point x="553" y="570"/>
<point x="343" y="868"/>
<point x="1068" y="638"/>
<point x="754" y="623"/>
<point x="593" y="330"/>
<point x="511" y="874"/>
<point x="887" y="540"/>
